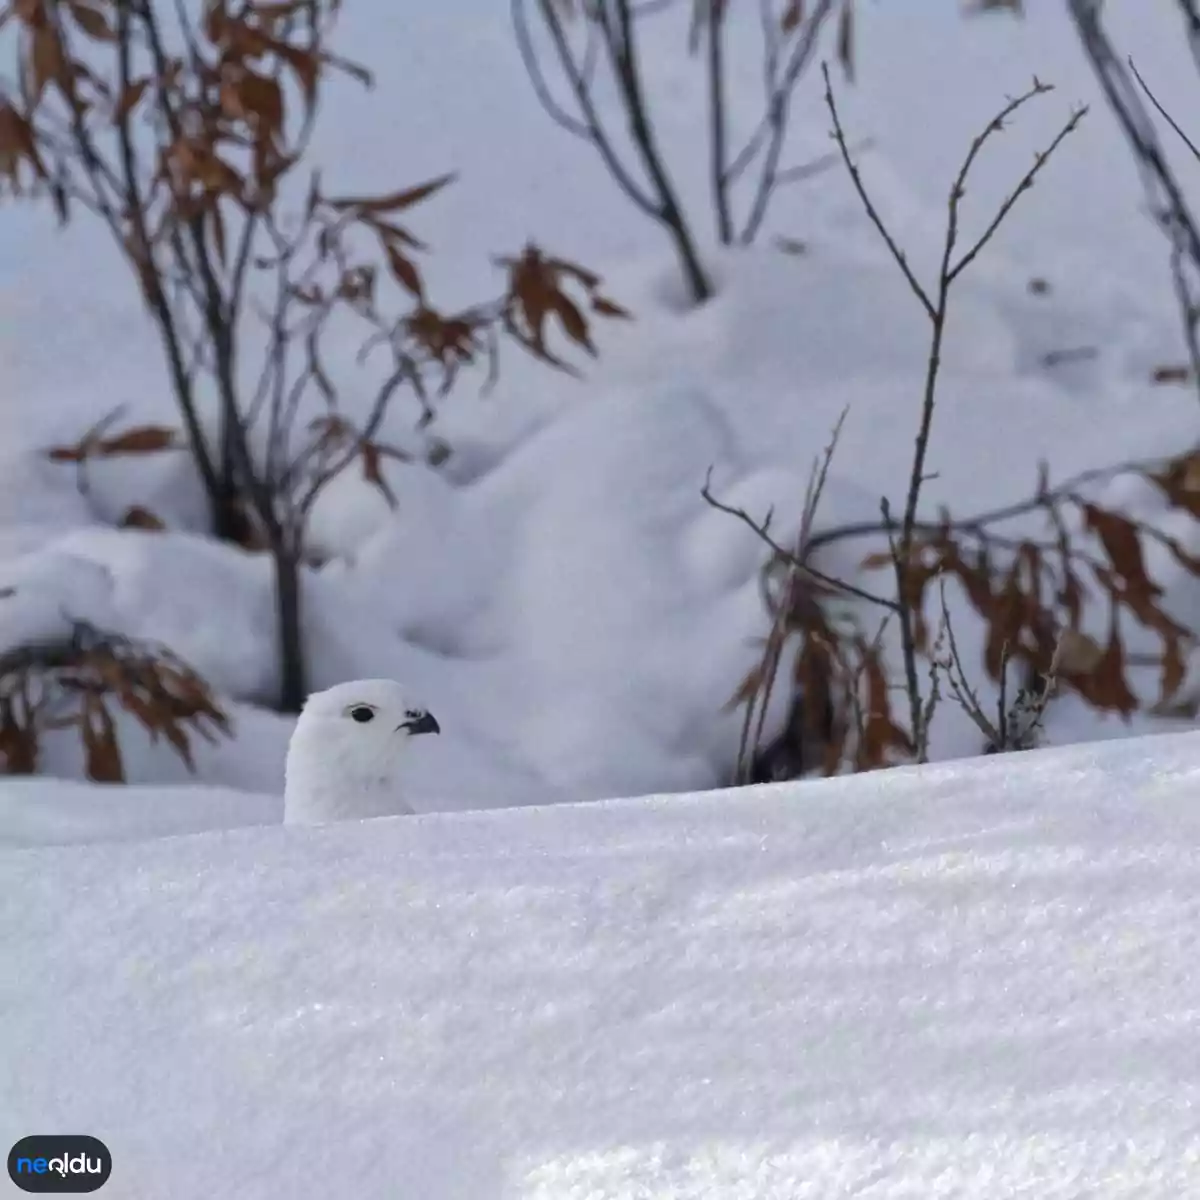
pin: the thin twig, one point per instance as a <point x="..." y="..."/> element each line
<point x="761" y="528"/>
<point x="779" y="103"/>
<point x="1167" y="202"/>
<point x="717" y="120"/>
<point x="868" y="204"/>
<point x="1162" y="112"/>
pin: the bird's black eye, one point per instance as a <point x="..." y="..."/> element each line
<point x="362" y="713"/>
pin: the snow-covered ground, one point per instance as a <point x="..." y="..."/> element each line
<point x="558" y="591"/>
<point x="970" y="981"/>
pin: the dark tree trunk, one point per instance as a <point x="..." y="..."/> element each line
<point x="293" y="677"/>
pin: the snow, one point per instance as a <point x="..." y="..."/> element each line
<point x="972" y="980"/>
<point x="59" y="812"/>
<point x="563" y="549"/>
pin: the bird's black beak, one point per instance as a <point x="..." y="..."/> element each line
<point x="425" y="723"/>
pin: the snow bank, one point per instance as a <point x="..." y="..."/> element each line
<point x="60" y="812"/>
<point x="558" y="590"/>
<point x="570" y="603"/>
<point x="971" y="980"/>
<point x="210" y="603"/>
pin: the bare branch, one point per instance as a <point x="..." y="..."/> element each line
<point x="819" y="165"/>
<point x="936" y="306"/>
<point x="556" y="112"/>
<point x="718" y="133"/>
<point x="1167" y="202"/>
<point x="778" y="111"/>
<point x="1162" y="112"/>
<point x="590" y="127"/>
<point x="996" y="516"/>
<point x="1026" y="182"/>
<point x="761" y="528"/>
<point x="868" y="204"/>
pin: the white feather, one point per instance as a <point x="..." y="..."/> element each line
<point x="341" y="769"/>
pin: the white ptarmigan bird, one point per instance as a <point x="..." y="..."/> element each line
<point x="345" y="761"/>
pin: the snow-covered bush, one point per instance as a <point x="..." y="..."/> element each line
<point x="186" y="135"/>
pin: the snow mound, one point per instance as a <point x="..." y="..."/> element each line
<point x="970" y="980"/>
<point x="209" y="603"/>
<point x="557" y="589"/>
<point x="61" y="812"/>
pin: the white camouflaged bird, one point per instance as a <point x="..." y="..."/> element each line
<point x="345" y="761"/>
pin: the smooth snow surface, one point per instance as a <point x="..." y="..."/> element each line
<point x="968" y="981"/>
<point x="58" y="812"/>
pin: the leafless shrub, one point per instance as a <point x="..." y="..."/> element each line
<point x="593" y="38"/>
<point x="913" y="557"/>
<point x="1166" y="198"/>
<point x="935" y="303"/>
<point x="81" y="681"/>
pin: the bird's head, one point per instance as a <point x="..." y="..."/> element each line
<point x="353" y="737"/>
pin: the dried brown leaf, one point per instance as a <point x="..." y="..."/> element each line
<point x="91" y="20"/>
<point x="372" y="460"/>
<point x="1109" y="688"/>
<point x="1078" y="653"/>
<point x="18" y="741"/>
<point x="1174" y="671"/>
<point x="1173" y="373"/>
<point x="142" y="439"/>
<point x="746" y="690"/>
<point x="138" y="517"/>
<point x="151" y="718"/>
<point x="396" y="201"/>
<point x="793" y="16"/>
<point x="880" y="558"/>
<point x="67" y="454"/>
<point x="564" y="267"/>
<point x="845" y="39"/>
<point x="574" y="322"/>
<point x="46" y="61"/>
<point x="1006" y="619"/>
<point x="405" y="272"/>
<point x="1119" y="537"/>
<point x="609" y="308"/>
<point x="881" y="736"/>
<point x="102" y="754"/>
<point x="177" y="736"/>
<point x="18" y="144"/>
<point x="1180" y="482"/>
<point x="129" y="99"/>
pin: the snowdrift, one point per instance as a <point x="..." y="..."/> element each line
<point x="969" y="980"/>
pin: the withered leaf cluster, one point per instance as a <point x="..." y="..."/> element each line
<point x="81" y="682"/>
<point x="1060" y="605"/>
<point x="1035" y="594"/>
<point x="840" y="714"/>
<point x="182" y="145"/>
